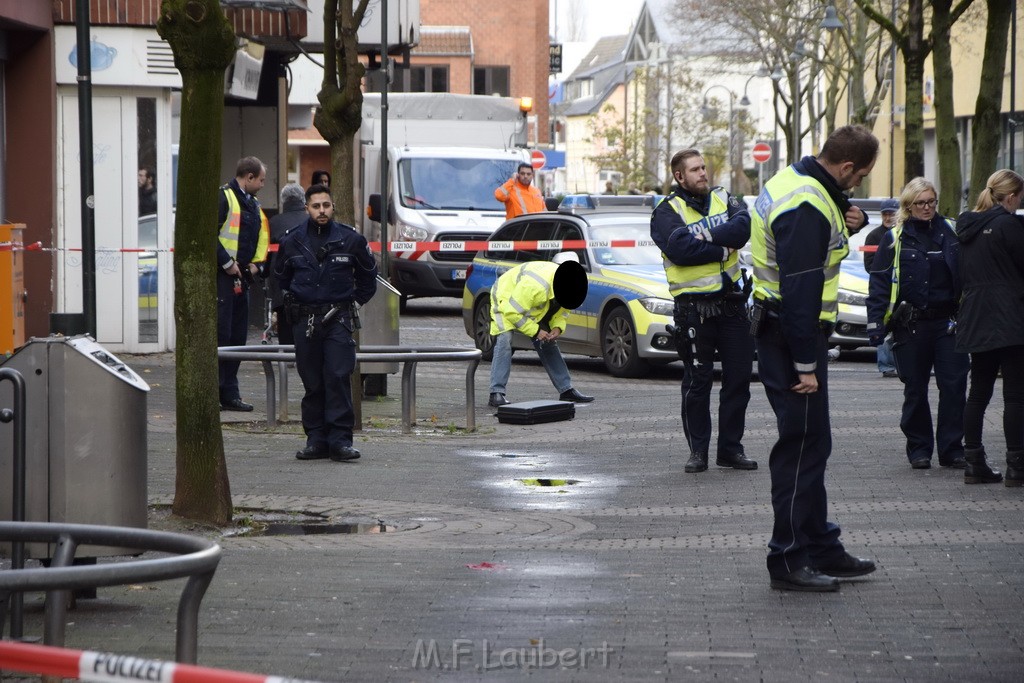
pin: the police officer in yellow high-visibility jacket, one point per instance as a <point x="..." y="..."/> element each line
<point x="800" y="236"/>
<point x="244" y="235"/>
<point x="700" y="231"/>
<point x="534" y="299"/>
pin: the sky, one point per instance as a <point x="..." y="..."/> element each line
<point x="603" y="17"/>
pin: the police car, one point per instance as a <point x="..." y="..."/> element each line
<point x="628" y="307"/>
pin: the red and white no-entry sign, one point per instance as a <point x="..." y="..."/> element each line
<point x="761" y="152"/>
<point x="537" y="159"/>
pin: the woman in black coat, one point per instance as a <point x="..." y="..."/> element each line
<point x="991" y="321"/>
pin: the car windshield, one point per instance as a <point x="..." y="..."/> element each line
<point x="450" y="183"/>
<point x="625" y="256"/>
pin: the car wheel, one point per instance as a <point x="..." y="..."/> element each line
<point x="482" y="327"/>
<point x="619" y="345"/>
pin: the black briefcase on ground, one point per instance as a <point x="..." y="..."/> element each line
<point x="535" y="412"/>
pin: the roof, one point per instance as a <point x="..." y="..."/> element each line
<point x="606" y="52"/>
<point x="444" y="40"/>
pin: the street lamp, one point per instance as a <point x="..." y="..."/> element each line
<point x="830" y="23"/>
<point x="729" y="146"/>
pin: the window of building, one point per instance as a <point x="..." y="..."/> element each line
<point x="422" y="78"/>
<point x="491" y="80"/>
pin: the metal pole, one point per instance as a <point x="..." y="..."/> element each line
<point x="1013" y="84"/>
<point x="17" y="415"/>
<point x="385" y="70"/>
<point x="85" y="166"/>
<point x="892" y="109"/>
<point x="796" y="112"/>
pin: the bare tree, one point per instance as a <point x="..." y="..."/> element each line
<point x="908" y="31"/>
<point x="986" y="130"/>
<point x="340" y="114"/>
<point x="203" y="44"/>
<point x="788" y="37"/>
<point x="576" y="22"/>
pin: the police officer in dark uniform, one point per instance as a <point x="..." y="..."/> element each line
<point x="700" y="231"/>
<point x="243" y="241"/>
<point x="918" y="262"/>
<point x="324" y="268"/>
<point x="799" y="239"/>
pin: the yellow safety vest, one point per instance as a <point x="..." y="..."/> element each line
<point x="705" y="278"/>
<point x="520" y="299"/>
<point x="233" y="223"/>
<point x="785" y="192"/>
<point x="894" y="288"/>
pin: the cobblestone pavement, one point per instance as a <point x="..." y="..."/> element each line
<point x="624" y="569"/>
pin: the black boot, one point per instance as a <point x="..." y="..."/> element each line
<point x="977" y="470"/>
<point x="698" y="462"/>
<point x="1014" y="468"/>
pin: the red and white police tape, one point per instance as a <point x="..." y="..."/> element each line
<point x="414" y="247"/>
<point x="105" y="667"/>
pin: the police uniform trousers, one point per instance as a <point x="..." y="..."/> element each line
<point x="729" y="334"/>
<point x="926" y="345"/>
<point x="325" y="361"/>
<point x="801" y="535"/>
<point x="232" y="330"/>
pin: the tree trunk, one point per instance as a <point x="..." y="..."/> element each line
<point x="203" y="44"/>
<point x="915" y="50"/>
<point x="950" y="173"/>
<point x="341" y="101"/>
<point x="985" y="130"/>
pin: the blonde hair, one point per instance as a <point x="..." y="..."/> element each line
<point x="999" y="186"/>
<point x="910" y="192"/>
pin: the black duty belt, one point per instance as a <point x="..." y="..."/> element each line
<point x="934" y="313"/>
<point x="318" y="309"/>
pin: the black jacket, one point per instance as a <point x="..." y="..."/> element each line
<point x="342" y="270"/>
<point x="992" y="269"/>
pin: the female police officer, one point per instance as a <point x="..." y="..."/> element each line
<point x="324" y="267"/>
<point x="914" y="291"/>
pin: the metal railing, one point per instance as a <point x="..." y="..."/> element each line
<point x="196" y="558"/>
<point x="17" y="415"/>
<point x="282" y="354"/>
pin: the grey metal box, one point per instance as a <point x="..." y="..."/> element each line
<point x="86" y="437"/>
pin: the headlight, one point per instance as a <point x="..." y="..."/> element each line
<point x="658" y="306"/>
<point x="852" y="298"/>
<point x="412" y="233"/>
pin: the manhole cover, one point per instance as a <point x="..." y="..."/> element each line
<point x="549" y="482"/>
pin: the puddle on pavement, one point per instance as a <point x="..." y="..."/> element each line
<point x="270" y="524"/>
<point x="549" y="482"/>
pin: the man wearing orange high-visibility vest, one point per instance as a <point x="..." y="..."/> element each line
<point x="244" y="235"/>
<point x="518" y="193"/>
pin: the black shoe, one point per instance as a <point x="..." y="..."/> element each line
<point x="237" y="405"/>
<point x="740" y="461"/>
<point x="698" y="462"/>
<point x="344" y="454"/>
<point x="806" y="579"/>
<point x="957" y="463"/>
<point x="921" y="464"/>
<point x="312" y="453"/>
<point x="498" y="400"/>
<point x="890" y="373"/>
<point x="848" y="566"/>
<point x="574" y="396"/>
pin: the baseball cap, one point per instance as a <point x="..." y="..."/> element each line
<point x="889" y="205"/>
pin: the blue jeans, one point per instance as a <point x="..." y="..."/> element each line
<point x="550" y="358"/>
<point x="886" y="361"/>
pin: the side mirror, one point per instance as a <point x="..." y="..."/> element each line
<point x="373" y="208"/>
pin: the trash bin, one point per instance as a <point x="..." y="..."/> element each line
<point x="85" y="427"/>
<point x="379" y="319"/>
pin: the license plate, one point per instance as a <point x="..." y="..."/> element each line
<point x="458" y="273"/>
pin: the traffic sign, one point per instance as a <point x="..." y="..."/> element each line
<point x="537" y="159"/>
<point x="762" y="152"/>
